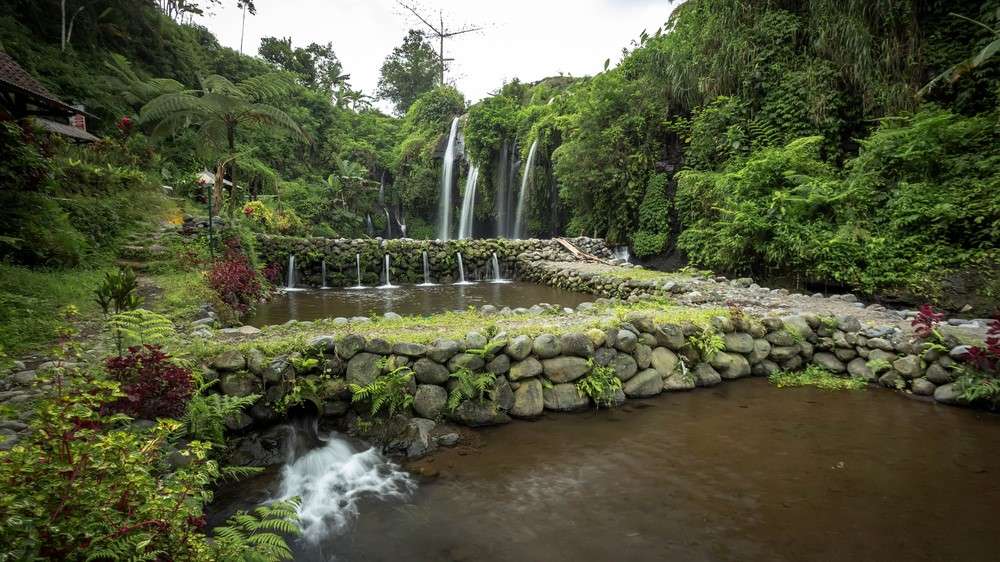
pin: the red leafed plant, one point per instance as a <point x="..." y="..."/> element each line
<point x="154" y="386"/>
<point x="987" y="357"/>
<point x="235" y="280"/>
<point x="926" y="322"/>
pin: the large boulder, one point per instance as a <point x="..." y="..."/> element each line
<point x="644" y="384"/>
<point x="626" y="341"/>
<point x="738" y="342"/>
<point x="528" y="368"/>
<point x="948" y="394"/>
<point x="256" y="362"/>
<point x="565" y="369"/>
<point x="625" y="367"/>
<point x="670" y="336"/>
<point x="378" y="346"/>
<point x="564" y="398"/>
<point x="474" y="413"/>
<point x="528" y="399"/>
<point x="430" y="372"/>
<point x="228" y="361"/>
<point x="781" y="353"/>
<point x="519" y="348"/>
<point x="239" y="384"/>
<point x="577" y="344"/>
<point x="799" y="325"/>
<point x="730" y="365"/>
<point x="761" y="350"/>
<point x="923" y="387"/>
<point x="939" y="375"/>
<point x="705" y="375"/>
<point x="908" y="366"/>
<point x="858" y="368"/>
<point x="679" y="381"/>
<point x="643" y="321"/>
<point x="664" y="361"/>
<point x="499" y="365"/>
<point x="363" y="368"/>
<point x="349" y="346"/>
<point x="546" y="346"/>
<point x="643" y="355"/>
<point x="430" y="400"/>
<point x="597" y="337"/>
<point x="279" y="369"/>
<point x="470" y="361"/>
<point x="829" y="362"/>
<point x="409" y="349"/>
<point x="603" y="356"/>
<point x="443" y="350"/>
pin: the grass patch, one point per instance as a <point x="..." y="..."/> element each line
<point x="814" y="375"/>
<point x="182" y="294"/>
<point x="34" y="303"/>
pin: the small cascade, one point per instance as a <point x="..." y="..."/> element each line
<point x="357" y="260"/>
<point x="388" y="284"/>
<point x="290" y="278"/>
<point x="468" y="205"/>
<point x="497" y="278"/>
<point x="461" y="271"/>
<point x="388" y="225"/>
<point x="522" y="196"/>
<point x="444" y="202"/>
<point x="427" y="273"/>
<point x="622" y="253"/>
<point x="381" y="191"/>
<point x="323" y="270"/>
<point x="331" y="481"/>
<point x="369" y="227"/>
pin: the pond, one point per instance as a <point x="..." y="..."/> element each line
<point x="313" y="304"/>
<point x="744" y="471"/>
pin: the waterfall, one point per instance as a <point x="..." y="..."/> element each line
<point x="369" y="227"/>
<point x="388" y="284"/>
<point x="468" y="205"/>
<point x="333" y="479"/>
<point x="622" y="253"/>
<point x="461" y="271"/>
<point x="357" y="260"/>
<point x="522" y="196"/>
<point x="497" y="278"/>
<point x="501" y="197"/>
<point x="444" y="203"/>
<point x="323" y="269"/>
<point x="290" y="278"/>
<point x="427" y="273"/>
<point x="381" y="191"/>
<point x="388" y="224"/>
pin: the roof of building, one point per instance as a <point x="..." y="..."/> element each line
<point x="13" y="76"/>
<point x="65" y="129"/>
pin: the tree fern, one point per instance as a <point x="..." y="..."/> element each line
<point x="389" y="392"/>
<point x="470" y="386"/>
<point x="258" y="536"/>
<point x="140" y="327"/>
<point x="206" y="415"/>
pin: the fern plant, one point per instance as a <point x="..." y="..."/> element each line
<point x="708" y="343"/>
<point x="117" y="292"/>
<point x="206" y="414"/>
<point x="139" y="327"/>
<point x="258" y="536"/>
<point x="600" y="385"/>
<point x="388" y="393"/>
<point x="470" y="386"/>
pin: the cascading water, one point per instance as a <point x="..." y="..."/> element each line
<point x="522" y="196"/>
<point x="388" y="284"/>
<point x="622" y="253"/>
<point x="369" y="227"/>
<point x="444" y="203"/>
<point x="290" y="278"/>
<point x="468" y="205"/>
<point x="357" y="260"/>
<point x="497" y="278"/>
<point x="388" y="224"/>
<point x="427" y="273"/>
<point x="461" y="272"/>
<point x="331" y="480"/>
<point x="323" y="270"/>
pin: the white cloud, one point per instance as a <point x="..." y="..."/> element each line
<point x="526" y="39"/>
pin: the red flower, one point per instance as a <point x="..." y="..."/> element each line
<point x="248" y="210"/>
<point x="926" y="321"/>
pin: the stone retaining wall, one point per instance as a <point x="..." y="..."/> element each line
<point x="538" y="374"/>
<point x="406" y="257"/>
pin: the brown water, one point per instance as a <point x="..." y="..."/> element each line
<point x="744" y="471"/>
<point x="408" y="299"/>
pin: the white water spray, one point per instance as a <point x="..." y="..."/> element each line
<point x="522" y="196"/>
<point x="388" y="284"/>
<point x="323" y="269"/>
<point x="290" y="279"/>
<point x="468" y="205"/>
<point x="357" y="260"/>
<point x="497" y="278"/>
<point x="427" y="273"/>
<point x="444" y="202"/>
<point x="461" y="272"/>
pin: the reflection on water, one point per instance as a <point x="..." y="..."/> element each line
<point x="743" y="471"/>
<point x="408" y="300"/>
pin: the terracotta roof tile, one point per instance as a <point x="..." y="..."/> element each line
<point x="11" y="73"/>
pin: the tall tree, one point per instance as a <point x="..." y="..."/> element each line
<point x="409" y="71"/>
<point x="316" y="65"/>
<point x="220" y="109"/>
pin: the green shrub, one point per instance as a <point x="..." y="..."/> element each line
<point x="814" y="375"/>
<point x="470" y="386"/>
<point x="600" y="385"/>
<point x="388" y="394"/>
<point x="654" y="219"/>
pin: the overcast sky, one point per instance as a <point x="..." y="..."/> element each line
<point x="526" y="39"/>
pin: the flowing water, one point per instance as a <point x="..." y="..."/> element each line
<point x="427" y="273"/>
<point x="388" y="283"/>
<point x="522" y="196"/>
<point x="291" y="278"/>
<point x="497" y="276"/>
<point x="323" y="273"/>
<point x="444" y="200"/>
<point x="407" y="300"/>
<point x="742" y="472"/>
<point x="461" y="271"/>
<point x="468" y="205"/>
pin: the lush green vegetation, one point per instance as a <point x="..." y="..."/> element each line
<point x="814" y="375"/>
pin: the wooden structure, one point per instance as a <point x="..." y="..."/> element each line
<point x="23" y="97"/>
